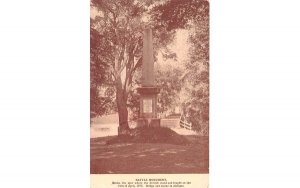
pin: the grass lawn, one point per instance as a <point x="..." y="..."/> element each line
<point x="130" y="158"/>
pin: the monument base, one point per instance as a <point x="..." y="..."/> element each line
<point x="148" y="122"/>
<point x="148" y="102"/>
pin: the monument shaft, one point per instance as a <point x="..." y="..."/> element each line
<point x="148" y="60"/>
<point x="148" y="92"/>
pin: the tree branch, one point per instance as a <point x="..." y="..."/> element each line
<point x="137" y="65"/>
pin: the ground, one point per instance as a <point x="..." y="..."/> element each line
<point x="130" y="158"/>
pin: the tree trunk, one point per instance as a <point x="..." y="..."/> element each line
<point x="121" y="98"/>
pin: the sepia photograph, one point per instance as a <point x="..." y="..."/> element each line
<point x="149" y="87"/>
<point x="149" y="94"/>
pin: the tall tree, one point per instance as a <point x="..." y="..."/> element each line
<point x="120" y="23"/>
<point x="101" y="90"/>
<point x="194" y="16"/>
<point x="197" y="107"/>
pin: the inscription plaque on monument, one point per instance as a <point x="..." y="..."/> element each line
<point x="147" y="105"/>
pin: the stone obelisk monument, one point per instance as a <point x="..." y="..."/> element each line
<point x="148" y="92"/>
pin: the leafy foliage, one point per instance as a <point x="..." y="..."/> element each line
<point x="194" y="16"/>
<point x="168" y="79"/>
<point x="197" y="107"/>
<point x="116" y="50"/>
<point x="179" y="14"/>
<point x="101" y="90"/>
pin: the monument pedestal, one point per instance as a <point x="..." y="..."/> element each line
<point x="148" y="111"/>
<point x="148" y="122"/>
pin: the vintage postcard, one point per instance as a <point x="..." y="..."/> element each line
<point x="149" y="86"/>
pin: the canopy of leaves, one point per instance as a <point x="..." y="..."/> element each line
<point x="100" y="76"/>
<point x="116" y="46"/>
<point x="116" y="49"/>
<point x="168" y="79"/>
<point x="194" y="16"/>
<point x="175" y="14"/>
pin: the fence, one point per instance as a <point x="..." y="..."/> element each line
<point x="185" y="125"/>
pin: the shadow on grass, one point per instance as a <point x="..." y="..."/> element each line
<point x="150" y="135"/>
<point x="129" y="158"/>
